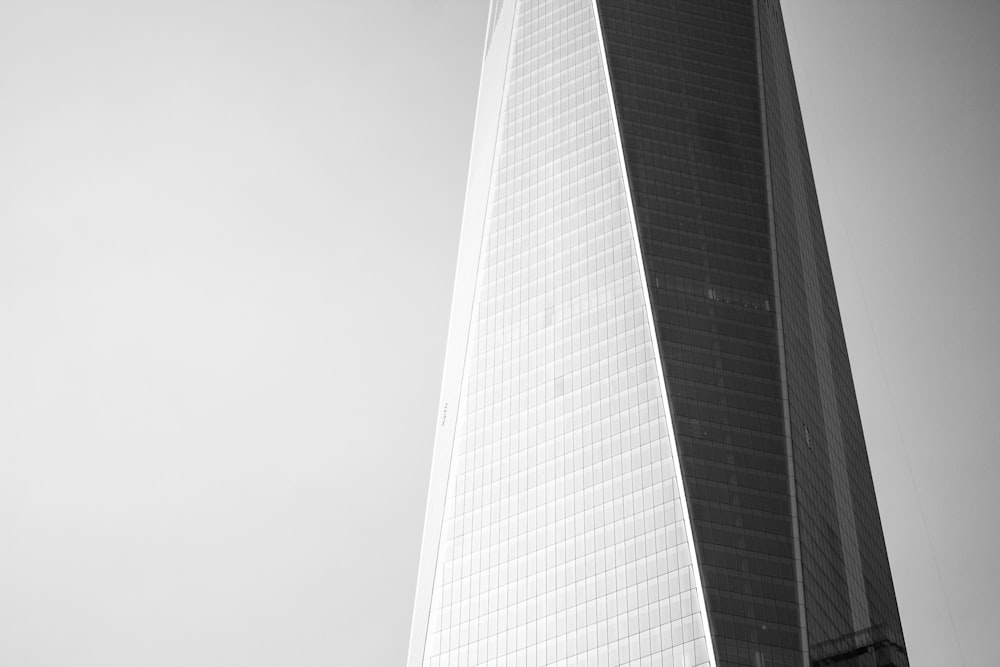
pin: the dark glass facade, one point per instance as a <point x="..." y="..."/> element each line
<point x="784" y="514"/>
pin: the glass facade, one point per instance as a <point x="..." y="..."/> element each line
<point x="649" y="450"/>
<point x="851" y="613"/>
<point x="686" y="86"/>
<point x="563" y="538"/>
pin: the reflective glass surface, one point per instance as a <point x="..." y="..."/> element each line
<point x="563" y="540"/>
<point x="744" y="299"/>
<point x="685" y="83"/>
<point x="558" y="526"/>
<point x="852" y="618"/>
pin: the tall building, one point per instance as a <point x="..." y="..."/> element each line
<point x="648" y="450"/>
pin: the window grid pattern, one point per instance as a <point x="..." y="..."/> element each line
<point x="563" y="541"/>
<point x="850" y="600"/>
<point x="688" y="91"/>
<point x="686" y="88"/>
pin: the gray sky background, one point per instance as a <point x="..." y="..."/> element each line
<point x="227" y="241"/>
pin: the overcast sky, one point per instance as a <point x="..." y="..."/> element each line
<point x="228" y="233"/>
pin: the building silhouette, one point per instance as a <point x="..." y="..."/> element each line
<point x="648" y="450"/>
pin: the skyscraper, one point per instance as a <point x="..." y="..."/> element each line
<point x="648" y="450"/>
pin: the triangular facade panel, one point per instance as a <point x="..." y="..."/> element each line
<point x="563" y="530"/>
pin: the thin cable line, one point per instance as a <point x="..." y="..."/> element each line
<point x="878" y="354"/>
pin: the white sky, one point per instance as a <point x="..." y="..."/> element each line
<point x="227" y="242"/>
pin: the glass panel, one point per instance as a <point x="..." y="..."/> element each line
<point x="563" y="539"/>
